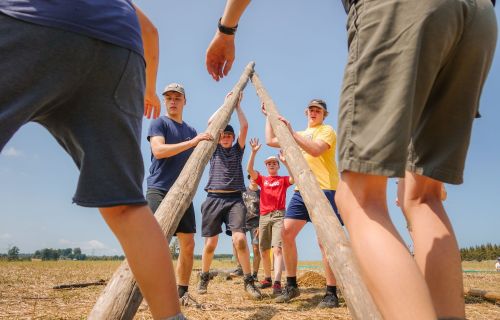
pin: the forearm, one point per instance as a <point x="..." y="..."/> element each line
<point x="310" y="146"/>
<point x="151" y="49"/>
<point x="250" y="166"/>
<point x="169" y="150"/>
<point x="271" y="139"/>
<point x="233" y="11"/>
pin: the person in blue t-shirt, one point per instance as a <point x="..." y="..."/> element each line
<point x="78" y="68"/>
<point x="224" y="203"/>
<point x="172" y="141"/>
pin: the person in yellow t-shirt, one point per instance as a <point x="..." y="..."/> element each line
<point x="318" y="147"/>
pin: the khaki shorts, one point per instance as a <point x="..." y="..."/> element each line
<point x="412" y="85"/>
<point x="270" y="226"/>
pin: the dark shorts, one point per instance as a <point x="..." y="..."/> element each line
<point x="221" y="208"/>
<point x="188" y="220"/>
<point x="412" y="85"/>
<point x="297" y="208"/>
<point x="88" y="94"/>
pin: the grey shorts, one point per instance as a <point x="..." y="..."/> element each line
<point x="253" y="232"/>
<point x="219" y="208"/>
<point x="270" y="226"/>
<point x="412" y="85"/>
<point x="188" y="220"/>
<point x="88" y="94"/>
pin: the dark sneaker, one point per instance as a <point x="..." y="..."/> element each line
<point x="238" y="272"/>
<point x="251" y="289"/>
<point x="329" y="301"/>
<point x="287" y="294"/>
<point x="203" y="284"/>
<point x="254" y="275"/>
<point x="277" y="288"/>
<point x="263" y="284"/>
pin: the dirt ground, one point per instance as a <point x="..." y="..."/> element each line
<point x="26" y="293"/>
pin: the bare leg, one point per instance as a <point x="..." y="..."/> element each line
<point x="291" y="227"/>
<point x="435" y="245"/>
<point x="330" y="277"/>
<point x="388" y="270"/>
<point x="148" y="256"/>
<point x="208" y="252"/>
<point x="279" y="264"/>
<point x="240" y="243"/>
<point x="185" y="262"/>
<point x="256" y="258"/>
<point x="266" y="263"/>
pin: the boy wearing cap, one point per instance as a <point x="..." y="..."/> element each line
<point x="172" y="141"/>
<point x="224" y="203"/>
<point x="272" y="211"/>
<point x="318" y="147"/>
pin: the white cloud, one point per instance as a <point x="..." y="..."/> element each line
<point x="11" y="152"/>
<point x="65" y="242"/>
<point x="5" y="236"/>
<point x="94" y="245"/>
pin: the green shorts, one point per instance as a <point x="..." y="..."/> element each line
<point x="412" y="85"/>
<point x="270" y="226"/>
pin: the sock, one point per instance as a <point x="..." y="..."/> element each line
<point x="247" y="277"/>
<point x="291" y="281"/>
<point x="331" y="290"/>
<point x="268" y="279"/>
<point x="181" y="290"/>
<point x="277" y="282"/>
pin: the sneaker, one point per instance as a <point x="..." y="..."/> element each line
<point x="287" y="294"/>
<point x="251" y="289"/>
<point x="254" y="275"/>
<point x="203" y="284"/>
<point x="329" y="301"/>
<point x="277" y="288"/>
<point x="263" y="284"/>
<point x="186" y="301"/>
<point x="238" y="272"/>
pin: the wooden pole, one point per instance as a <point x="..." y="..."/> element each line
<point x="328" y="228"/>
<point x="121" y="298"/>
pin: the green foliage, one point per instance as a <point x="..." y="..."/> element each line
<point x="13" y="253"/>
<point x="479" y="253"/>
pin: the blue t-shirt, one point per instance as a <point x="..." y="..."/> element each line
<point x="113" y="21"/>
<point x="164" y="172"/>
<point x="226" y="172"/>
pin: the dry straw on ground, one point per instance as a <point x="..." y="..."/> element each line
<point x="26" y="293"/>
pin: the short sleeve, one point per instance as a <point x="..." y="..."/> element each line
<point x="156" y="129"/>
<point x="326" y="134"/>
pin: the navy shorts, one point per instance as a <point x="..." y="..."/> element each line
<point x="297" y="208"/>
<point x="188" y="220"/>
<point x="88" y="94"/>
<point x="219" y="208"/>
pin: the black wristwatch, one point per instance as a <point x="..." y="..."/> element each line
<point x="226" y="30"/>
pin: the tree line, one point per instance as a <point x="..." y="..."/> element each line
<point x="479" y="253"/>
<point x="46" y="254"/>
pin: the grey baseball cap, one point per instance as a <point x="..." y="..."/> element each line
<point x="317" y="103"/>
<point x="174" y="87"/>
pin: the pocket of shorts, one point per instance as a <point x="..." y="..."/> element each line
<point x="129" y="93"/>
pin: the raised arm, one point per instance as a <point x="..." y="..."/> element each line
<point x="254" y="144"/>
<point x="242" y="136"/>
<point x="152" y="106"/>
<point x="220" y="53"/>
<point x="161" y="149"/>
<point x="283" y="160"/>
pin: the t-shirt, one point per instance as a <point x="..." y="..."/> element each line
<point x="272" y="192"/>
<point x="164" y="172"/>
<point x="226" y="172"/>
<point x="113" y="21"/>
<point x="323" y="167"/>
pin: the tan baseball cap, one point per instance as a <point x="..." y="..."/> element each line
<point x="317" y="103"/>
<point x="174" y="87"/>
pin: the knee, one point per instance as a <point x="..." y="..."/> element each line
<point x="210" y="247"/>
<point x="187" y="248"/>
<point x="277" y="251"/>
<point x="287" y="236"/>
<point x="240" y="242"/>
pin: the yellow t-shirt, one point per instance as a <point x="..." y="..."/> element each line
<point x="323" y="167"/>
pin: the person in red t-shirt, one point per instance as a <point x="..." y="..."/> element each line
<point x="272" y="212"/>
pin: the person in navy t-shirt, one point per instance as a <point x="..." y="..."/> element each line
<point x="172" y="141"/>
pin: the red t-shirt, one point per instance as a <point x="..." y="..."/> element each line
<point x="272" y="192"/>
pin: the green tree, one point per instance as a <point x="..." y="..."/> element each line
<point x="13" y="253"/>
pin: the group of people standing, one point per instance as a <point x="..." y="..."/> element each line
<point x="411" y="91"/>
<point x="230" y="203"/>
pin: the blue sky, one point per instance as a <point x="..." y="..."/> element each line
<point x="300" y="50"/>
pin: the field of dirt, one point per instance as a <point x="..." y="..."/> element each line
<point x="26" y="292"/>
